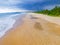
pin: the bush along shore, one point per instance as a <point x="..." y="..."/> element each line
<point x="53" y="12"/>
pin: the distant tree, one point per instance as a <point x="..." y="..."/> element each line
<point x="54" y="12"/>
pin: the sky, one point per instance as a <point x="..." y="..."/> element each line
<point x="25" y="5"/>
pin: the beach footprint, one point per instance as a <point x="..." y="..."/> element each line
<point x="38" y="26"/>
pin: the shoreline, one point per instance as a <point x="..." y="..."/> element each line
<point x="35" y="30"/>
<point x="16" y="24"/>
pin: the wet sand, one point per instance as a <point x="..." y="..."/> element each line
<point x="36" y="30"/>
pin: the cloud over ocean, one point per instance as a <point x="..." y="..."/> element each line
<point x="8" y="9"/>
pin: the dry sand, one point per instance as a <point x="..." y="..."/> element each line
<point x="37" y="29"/>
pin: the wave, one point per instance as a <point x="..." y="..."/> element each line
<point x="7" y="21"/>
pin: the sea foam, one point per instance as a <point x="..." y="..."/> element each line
<point x="7" y="23"/>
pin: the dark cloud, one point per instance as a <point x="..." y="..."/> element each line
<point x="29" y="4"/>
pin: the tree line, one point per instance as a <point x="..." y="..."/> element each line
<point x="53" y="12"/>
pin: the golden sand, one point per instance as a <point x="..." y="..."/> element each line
<point x="33" y="32"/>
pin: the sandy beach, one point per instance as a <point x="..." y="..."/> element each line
<point x="37" y="29"/>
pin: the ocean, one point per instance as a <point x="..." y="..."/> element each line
<point x="7" y="20"/>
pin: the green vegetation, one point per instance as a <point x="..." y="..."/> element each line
<point x="53" y="12"/>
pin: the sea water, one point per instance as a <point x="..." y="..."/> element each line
<point x="7" y="21"/>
